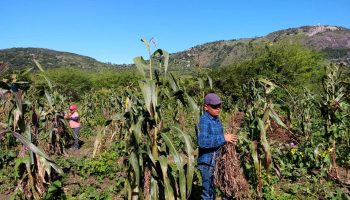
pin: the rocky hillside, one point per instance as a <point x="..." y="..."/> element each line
<point x="334" y="41"/>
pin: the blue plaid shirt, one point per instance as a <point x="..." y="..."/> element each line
<point x="210" y="139"/>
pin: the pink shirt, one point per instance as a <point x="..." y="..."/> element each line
<point x="74" y="123"/>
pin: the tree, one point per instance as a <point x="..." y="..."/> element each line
<point x="289" y="65"/>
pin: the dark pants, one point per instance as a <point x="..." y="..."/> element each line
<point x="76" y="139"/>
<point x="208" y="188"/>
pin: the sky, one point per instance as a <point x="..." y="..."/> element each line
<point x="110" y="30"/>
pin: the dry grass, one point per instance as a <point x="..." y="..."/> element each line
<point x="229" y="177"/>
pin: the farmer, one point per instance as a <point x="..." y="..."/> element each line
<point x="74" y="123"/>
<point x="210" y="138"/>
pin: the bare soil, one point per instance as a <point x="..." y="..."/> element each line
<point x="279" y="134"/>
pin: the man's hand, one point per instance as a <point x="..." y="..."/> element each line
<point x="67" y="116"/>
<point x="231" y="138"/>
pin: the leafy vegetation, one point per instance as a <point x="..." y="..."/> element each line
<point x="75" y="82"/>
<point x="139" y="134"/>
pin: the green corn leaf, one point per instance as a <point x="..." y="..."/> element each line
<point x="201" y="83"/>
<point x="265" y="81"/>
<point x="172" y="149"/>
<point x="51" y="133"/>
<point x="190" y="159"/>
<point x="128" y="189"/>
<point x="168" y="190"/>
<point x="135" y="165"/>
<point x="49" y="98"/>
<point x="179" y="164"/>
<point x="210" y="82"/>
<point x="340" y="96"/>
<point x="154" y="189"/>
<point x="140" y="152"/>
<point x="18" y="161"/>
<point x="173" y="82"/>
<point x="21" y="84"/>
<point x="317" y="152"/>
<point x="182" y="184"/>
<point x="165" y="58"/>
<point x="145" y="42"/>
<point x="54" y="186"/>
<point x="29" y="137"/>
<point x="17" y="114"/>
<point x="193" y="105"/>
<point x="166" y="61"/>
<point x="150" y="156"/>
<point x="27" y="71"/>
<point x="146" y="88"/>
<point x="264" y="143"/>
<point x="268" y="85"/>
<point x="97" y="143"/>
<point x="254" y="152"/>
<point x="46" y="167"/>
<point x="155" y="92"/>
<point x="47" y="81"/>
<point x="141" y="65"/>
<point x="136" y="130"/>
<point x="276" y="118"/>
<point x="37" y="151"/>
<point x="38" y="65"/>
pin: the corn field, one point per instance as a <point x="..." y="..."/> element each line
<point x="139" y="142"/>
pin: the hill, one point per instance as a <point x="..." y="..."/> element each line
<point x="333" y="41"/>
<point x="18" y="58"/>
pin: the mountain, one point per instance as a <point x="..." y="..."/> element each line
<point x="19" y="58"/>
<point x="333" y="41"/>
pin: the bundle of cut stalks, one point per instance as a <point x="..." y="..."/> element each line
<point x="228" y="175"/>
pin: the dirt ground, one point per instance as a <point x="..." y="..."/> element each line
<point x="344" y="176"/>
<point x="279" y="134"/>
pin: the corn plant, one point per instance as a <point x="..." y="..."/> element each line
<point x="112" y="110"/>
<point x="88" y="109"/>
<point x="302" y="112"/>
<point x="259" y="111"/>
<point x="48" y="111"/>
<point x="332" y="109"/>
<point x="167" y="173"/>
<point x="33" y="164"/>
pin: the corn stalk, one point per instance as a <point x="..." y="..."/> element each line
<point x="331" y="107"/>
<point x="37" y="172"/>
<point x="153" y="154"/>
<point x="259" y="112"/>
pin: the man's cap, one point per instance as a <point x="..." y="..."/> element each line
<point x="73" y="107"/>
<point x="212" y="99"/>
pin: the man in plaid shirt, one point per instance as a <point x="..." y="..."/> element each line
<point x="210" y="138"/>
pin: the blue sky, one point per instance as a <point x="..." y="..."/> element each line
<point x="110" y="30"/>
